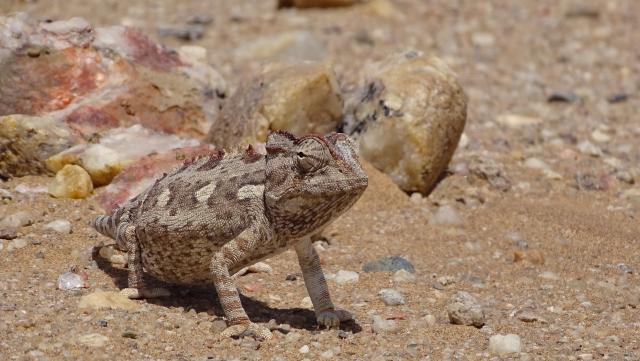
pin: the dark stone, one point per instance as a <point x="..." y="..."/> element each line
<point x="389" y="264"/>
<point x="129" y="334"/>
<point x="563" y="97"/>
<point x="618" y="98"/>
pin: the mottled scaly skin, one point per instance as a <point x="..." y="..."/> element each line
<point x="217" y="214"/>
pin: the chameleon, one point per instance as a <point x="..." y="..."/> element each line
<point x="214" y="215"/>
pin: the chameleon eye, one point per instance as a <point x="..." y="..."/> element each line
<point x="311" y="156"/>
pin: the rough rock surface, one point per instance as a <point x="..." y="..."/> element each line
<point x="301" y="98"/>
<point x="408" y="117"/>
<point x="65" y="82"/>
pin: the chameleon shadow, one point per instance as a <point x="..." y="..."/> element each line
<point x="204" y="299"/>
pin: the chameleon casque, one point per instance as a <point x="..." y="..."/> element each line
<point x="219" y="213"/>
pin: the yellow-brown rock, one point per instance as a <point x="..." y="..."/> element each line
<point x="301" y="98"/>
<point x="408" y="118"/>
<point x="71" y="182"/>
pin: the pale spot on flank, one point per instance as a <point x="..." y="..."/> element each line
<point x="205" y="192"/>
<point x="163" y="198"/>
<point x="250" y="191"/>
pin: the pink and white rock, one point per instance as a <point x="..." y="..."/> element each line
<point x="140" y="174"/>
<point x="64" y="83"/>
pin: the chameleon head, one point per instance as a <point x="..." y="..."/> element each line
<point x="310" y="180"/>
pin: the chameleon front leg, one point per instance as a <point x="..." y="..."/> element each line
<point x="226" y="258"/>
<point x="309" y="261"/>
<point x="126" y="234"/>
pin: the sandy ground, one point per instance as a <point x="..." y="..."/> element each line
<point x="551" y="228"/>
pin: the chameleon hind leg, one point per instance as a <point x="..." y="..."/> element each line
<point x="136" y="288"/>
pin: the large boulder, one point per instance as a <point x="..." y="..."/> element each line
<point x="407" y="117"/>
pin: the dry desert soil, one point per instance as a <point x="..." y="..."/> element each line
<point x="537" y="217"/>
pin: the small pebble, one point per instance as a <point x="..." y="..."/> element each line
<point x="446" y="216"/>
<point x="588" y="148"/>
<point x="17" y="243"/>
<point x="130" y="334"/>
<point x="504" y="344"/>
<point x="71" y="281"/>
<point x="343" y="334"/>
<point x="304" y="349"/>
<point x="617" y="98"/>
<point x="17" y="220"/>
<point x="430" y="320"/>
<point x="585" y="357"/>
<point x="564" y="97"/>
<point x="403" y="276"/>
<point x="71" y="182"/>
<point x="343" y="276"/>
<point x="391" y="297"/>
<point x="465" y="310"/>
<point x="218" y="326"/>
<point x="381" y="325"/>
<point x="93" y="340"/>
<point x="59" y="225"/>
<point x="8" y="233"/>
<point x="389" y="264"/>
<point x="625" y="268"/>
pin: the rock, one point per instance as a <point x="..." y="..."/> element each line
<point x="381" y="325"/>
<point x="17" y="220"/>
<point x="517" y="121"/>
<point x="535" y="163"/>
<point x="588" y="148"/>
<point x="93" y="340"/>
<point x="259" y="267"/>
<point x="391" y="297"/>
<point x="17" y="243"/>
<point x="285" y="46"/>
<point x="107" y="299"/>
<point x="528" y="316"/>
<point x="563" y="97"/>
<point x="304" y="349"/>
<point x="592" y="182"/>
<point x="600" y="136"/>
<point x="8" y="233"/>
<point x="483" y="39"/>
<point x="618" y="98"/>
<point x="407" y="117"/>
<point x="71" y="182"/>
<point x="59" y="225"/>
<point x="74" y="85"/>
<point x="71" y="281"/>
<point x="140" y="174"/>
<point x="403" y="276"/>
<point x="465" y="310"/>
<point x="430" y="320"/>
<point x="632" y="195"/>
<point x="306" y="303"/>
<point x="103" y="160"/>
<point x="446" y="216"/>
<point x="218" y="326"/>
<point x="346" y="277"/>
<point x="548" y="275"/>
<point x="315" y="3"/>
<point x="187" y="32"/>
<point x="624" y="268"/>
<point x="301" y="98"/>
<point x="504" y="344"/>
<point x="489" y="170"/>
<point x="624" y="176"/>
<point x="389" y="264"/>
<point x="585" y="357"/>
